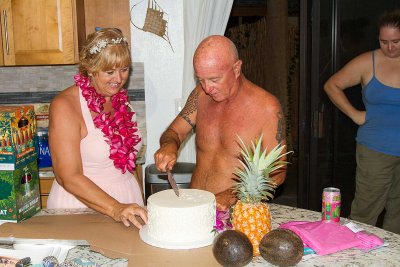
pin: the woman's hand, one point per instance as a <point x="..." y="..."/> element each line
<point x="359" y="117"/>
<point x="126" y="213"/>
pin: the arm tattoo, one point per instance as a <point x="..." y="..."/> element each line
<point x="190" y="107"/>
<point x="280" y="130"/>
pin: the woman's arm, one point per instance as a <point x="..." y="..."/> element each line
<point x="350" y="75"/>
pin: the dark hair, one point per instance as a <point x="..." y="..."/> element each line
<point x="103" y="50"/>
<point x="390" y="19"/>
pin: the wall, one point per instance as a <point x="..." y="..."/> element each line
<point x="162" y="78"/>
<point x="163" y="67"/>
<point x="39" y="84"/>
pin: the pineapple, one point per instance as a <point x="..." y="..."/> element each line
<point x="250" y="215"/>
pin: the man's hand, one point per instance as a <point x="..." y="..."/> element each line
<point x="126" y="213"/>
<point x="225" y="199"/>
<point x="165" y="158"/>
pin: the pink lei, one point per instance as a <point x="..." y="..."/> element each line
<point x="120" y="131"/>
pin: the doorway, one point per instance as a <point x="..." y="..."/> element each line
<point x="332" y="33"/>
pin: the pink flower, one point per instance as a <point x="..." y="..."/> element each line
<point x="222" y="221"/>
<point x="119" y="131"/>
<point x="219" y="226"/>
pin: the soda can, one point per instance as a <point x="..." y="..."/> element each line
<point x="331" y="200"/>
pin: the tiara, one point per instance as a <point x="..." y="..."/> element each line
<point x="103" y="43"/>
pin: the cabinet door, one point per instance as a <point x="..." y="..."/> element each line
<point x="1" y="43"/>
<point x="4" y="12"/>
<point x="39" y="32"/>
<point x="108" y="14"/>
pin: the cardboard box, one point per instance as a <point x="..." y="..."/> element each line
<point x="110" y="238"/>
<point x="42" y="114"/>
<point x="19" y="192"/>
<point x="17" y="136"/>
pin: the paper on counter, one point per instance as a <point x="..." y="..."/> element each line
<point x="37" y="252"/>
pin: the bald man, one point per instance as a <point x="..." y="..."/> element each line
<point x="223" y="106"/>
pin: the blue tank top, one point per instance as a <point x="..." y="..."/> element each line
<point x="381" y="130"/>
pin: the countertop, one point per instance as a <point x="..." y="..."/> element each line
<point x="384" y="256"/>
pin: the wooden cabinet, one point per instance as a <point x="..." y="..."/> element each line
<point x="40" y="32"/>
<point x="108" y="14"/>
<point x="46" y="179"/>
<point x="50" y="32"/>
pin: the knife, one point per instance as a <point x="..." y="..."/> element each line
<point x="13" y="240"/>
<point x="172" y="182"/>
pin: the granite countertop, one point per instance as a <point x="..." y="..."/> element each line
<point x="384" y="256"/>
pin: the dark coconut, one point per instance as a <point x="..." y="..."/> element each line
<point x="232" y="248"/>
<point x="282" y="247"/>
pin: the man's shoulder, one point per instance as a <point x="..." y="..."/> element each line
<point x="262" y="96"/>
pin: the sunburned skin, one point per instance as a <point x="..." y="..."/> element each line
<point x="223" y="106"/>
<point x="190" y="108"/>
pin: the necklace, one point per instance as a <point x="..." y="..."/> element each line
<point x="120" y="131"/>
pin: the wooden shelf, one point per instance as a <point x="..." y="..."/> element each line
<point x="46" y="179"/>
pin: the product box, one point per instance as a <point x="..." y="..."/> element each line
<point x="19" y="192"/>
<point x="42" y="114"/>
<point x="43" y="149"/>
<point x="17" y="136"/>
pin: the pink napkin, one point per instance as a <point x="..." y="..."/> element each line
<point x="327" y="237"/>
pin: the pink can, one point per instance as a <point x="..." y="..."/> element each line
<point x="331" y="200"/>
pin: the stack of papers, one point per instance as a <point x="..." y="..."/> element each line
<point x="38" y="249"/>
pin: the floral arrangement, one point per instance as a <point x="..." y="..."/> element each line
<point x="103" y="43"/>
<point x="120" y="131"/>
<point x="222" y="221"/>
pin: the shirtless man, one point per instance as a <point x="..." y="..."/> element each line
<point x="223" y="106"/>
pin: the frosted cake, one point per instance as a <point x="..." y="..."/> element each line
<point x="189" y="218"/>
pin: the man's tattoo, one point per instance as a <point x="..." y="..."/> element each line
<point x="280" y="129"/>
<point x="190" y="107"/>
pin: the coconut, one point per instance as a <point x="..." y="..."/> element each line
<point x="282" y="247"/>
<point x="232" y="248"/>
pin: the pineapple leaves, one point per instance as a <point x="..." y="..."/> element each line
<point x="254" y="183"/>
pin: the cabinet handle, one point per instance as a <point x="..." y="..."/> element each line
<point x="6" y="31"/>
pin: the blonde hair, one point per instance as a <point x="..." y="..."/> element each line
<point x="103" y="50"/>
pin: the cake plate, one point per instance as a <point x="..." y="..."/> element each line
<point x="143" y="233"/>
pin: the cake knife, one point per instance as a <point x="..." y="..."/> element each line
<point x="172" y="182"/>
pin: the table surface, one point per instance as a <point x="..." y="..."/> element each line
<point x="384" y="256"/>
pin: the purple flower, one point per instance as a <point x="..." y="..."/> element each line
<point x="222" y="221"/>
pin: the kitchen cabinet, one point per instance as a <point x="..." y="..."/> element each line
<point x="108" y="14"/>
<point x="50" y="32"/>
<point x="46" y="179"/>
<point x="40" y="32"/>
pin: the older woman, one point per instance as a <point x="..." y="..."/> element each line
<point x="378" y="139"/>
<point x="94" y="137"/>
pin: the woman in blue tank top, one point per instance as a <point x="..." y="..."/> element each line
<point x="378" y="137"/>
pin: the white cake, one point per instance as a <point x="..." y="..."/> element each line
<point x="189" y="218"/>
